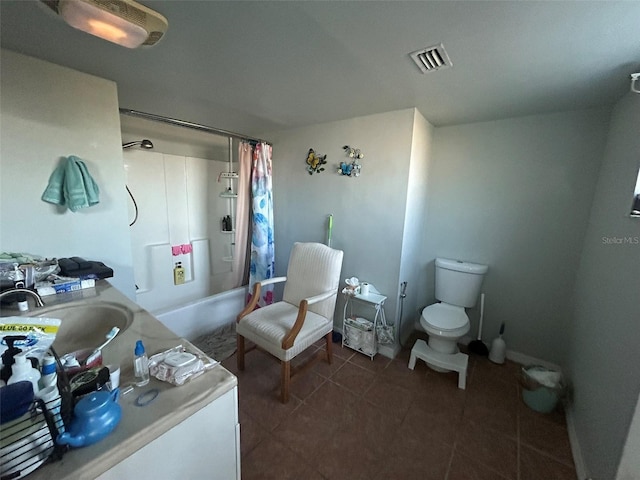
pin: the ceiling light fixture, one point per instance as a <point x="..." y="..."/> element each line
<point x="125" y="22"/>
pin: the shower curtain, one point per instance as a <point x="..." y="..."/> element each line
<point x="243" y="210"/>
<point x="262" y="264"/>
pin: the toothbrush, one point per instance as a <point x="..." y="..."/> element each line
<point x="109" y="336"/>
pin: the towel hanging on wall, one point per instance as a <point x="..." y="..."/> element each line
<point x="71" y="184"/>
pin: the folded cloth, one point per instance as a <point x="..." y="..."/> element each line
<point x="83" y="269"/>
<point x="71" y="184"/>
<point x="19" y="257"/>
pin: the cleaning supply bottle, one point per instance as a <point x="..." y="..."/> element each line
<point x="23" y="371"/>
<point x="178" y="274"/>
<point x="498" y="348"/>
<point x="141" y="365"/>
<point x="49" y="375"/>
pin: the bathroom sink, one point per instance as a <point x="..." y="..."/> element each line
<point x="85" y="325"/>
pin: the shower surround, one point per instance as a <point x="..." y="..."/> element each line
<point x="179" y="209"/>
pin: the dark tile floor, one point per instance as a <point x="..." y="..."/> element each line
<point x="363" y="419"/>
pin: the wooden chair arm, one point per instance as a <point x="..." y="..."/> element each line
<point x="257" y="287"/>
<point x="287" y="342"/>
<point x="252" y="304"/>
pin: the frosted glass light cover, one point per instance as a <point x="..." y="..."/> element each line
<point x="93" y="20"/>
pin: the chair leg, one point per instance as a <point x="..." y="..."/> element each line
<point x="240" y="354"/>
<point x="285" y="380"/>
<point x="328" y="347"/>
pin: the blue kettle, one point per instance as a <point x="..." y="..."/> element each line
<point x="94" y="417"/>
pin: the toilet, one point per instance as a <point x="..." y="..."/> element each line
<point x="457" y="287"/>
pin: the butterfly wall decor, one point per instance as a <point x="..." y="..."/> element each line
<point x="352" y="168"/>
<point x="315" y="162"/>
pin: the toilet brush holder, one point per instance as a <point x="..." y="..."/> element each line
<point x="498" y="350"/>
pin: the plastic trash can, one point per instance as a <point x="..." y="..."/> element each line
<point x="541" y="388"/>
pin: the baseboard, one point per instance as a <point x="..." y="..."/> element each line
<point x="529" y="360"/>
<point x="389" y="351"/>
<point x="578" y="459"/>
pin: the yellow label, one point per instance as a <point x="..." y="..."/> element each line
<point x="22" y="328"/>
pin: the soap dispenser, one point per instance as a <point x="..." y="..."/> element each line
<point x="23" y="371"/>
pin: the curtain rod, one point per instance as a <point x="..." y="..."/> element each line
<point x="194" y="126"/>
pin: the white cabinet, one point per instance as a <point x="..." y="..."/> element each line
<point x="205" y="445"/>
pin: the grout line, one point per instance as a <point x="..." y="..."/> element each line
<point x="453" y="451"/>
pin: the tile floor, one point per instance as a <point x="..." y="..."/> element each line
<point x="363" y="419"/>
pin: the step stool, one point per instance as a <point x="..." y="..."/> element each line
<point x="456" y="362"/>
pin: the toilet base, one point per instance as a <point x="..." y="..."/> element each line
<point x="456" y="362"/>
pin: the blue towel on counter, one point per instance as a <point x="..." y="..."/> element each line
<point x="71" y="184"/>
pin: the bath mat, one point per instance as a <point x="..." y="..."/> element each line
<point x="219" y="344"/>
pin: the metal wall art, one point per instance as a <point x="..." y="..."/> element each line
<point x="315" y="162"/>
<point x="353" y="167"/>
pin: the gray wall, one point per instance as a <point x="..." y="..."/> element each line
<point x="49" y="112"/>
<point x="369" y="210"/>
<point x="605" y="334"/>
<point x="515" y="195"/>
<point x="414" y="224"/>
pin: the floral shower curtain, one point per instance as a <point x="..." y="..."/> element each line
<point x="262" y="264"/>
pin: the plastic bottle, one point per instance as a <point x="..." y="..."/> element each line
<point x="178" y="274"/>
<point x="51" y="398"/>
<point x="141" y="365"/>
<point x="498" y="350"/>
<point x="49" y="374"/>
<point x="23" y="371"/>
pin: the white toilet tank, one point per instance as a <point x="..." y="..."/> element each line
<point x="458" y="283"/>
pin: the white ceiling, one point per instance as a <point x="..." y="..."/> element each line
<point x="253" y="67"/>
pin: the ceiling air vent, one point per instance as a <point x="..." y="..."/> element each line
<point x="431" y="59"/>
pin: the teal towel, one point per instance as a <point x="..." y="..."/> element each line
<point x="53" y="193"/>
<point x="71" y="184"/>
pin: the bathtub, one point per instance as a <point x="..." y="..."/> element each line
<point x="200" y="317"/>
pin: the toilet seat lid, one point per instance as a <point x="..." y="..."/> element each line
<point x="445" y="317"/>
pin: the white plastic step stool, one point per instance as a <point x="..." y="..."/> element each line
<point x="456" y="362"/>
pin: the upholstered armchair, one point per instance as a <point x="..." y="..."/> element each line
<point x="305" y="315"/>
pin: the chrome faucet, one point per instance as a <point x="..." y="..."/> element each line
<point x="33" y="293"/>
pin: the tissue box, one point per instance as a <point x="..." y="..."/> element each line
<point x="68" y="285"/>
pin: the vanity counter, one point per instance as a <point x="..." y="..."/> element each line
<point x="141" y="427"/>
